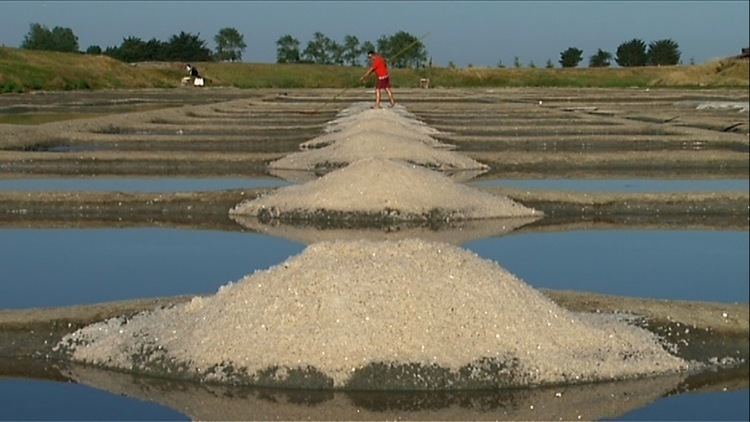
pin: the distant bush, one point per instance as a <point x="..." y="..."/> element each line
<point x="94" y="50"/>
<point x="184" y="47"/>
<point x="40" y="37"/>
<point x="663" y="53"/>
<point x="632" y="53"/>
<point x="600" y="59"/>
<point x="571" y="57"/>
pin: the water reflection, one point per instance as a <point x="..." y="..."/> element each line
<point x="620" y="185"/>
<point x="208" y="402"/>
<point x="136" y="184"/>
<point x="457" y="232"/>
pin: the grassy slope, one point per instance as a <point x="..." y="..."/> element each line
<point x="23" y="70"/>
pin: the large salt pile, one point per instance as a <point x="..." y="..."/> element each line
<point x="382" y="188"/>
<point x="407" y="314"/>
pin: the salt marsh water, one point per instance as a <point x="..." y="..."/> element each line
<point x="47" y="268"/>
<point x="621" y="185"/>
<point x="60" y="267"/>
<point x="136" y="184"/>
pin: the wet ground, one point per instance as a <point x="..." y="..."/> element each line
<point x="587" y="135"/>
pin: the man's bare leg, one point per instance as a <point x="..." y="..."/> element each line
<point x="390" y="96"/>
<point x="377" y="98"/>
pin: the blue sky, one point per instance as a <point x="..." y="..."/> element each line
<point x="477" y="33"/>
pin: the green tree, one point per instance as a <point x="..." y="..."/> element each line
<point x="663" y="53"/>
<point x="549" y="64"/>
<point x="403" y="50"/>
<point x="500" y="64"/>
<point x="132" y="49"/>
<point x="187" y="47"/>
<point x="571" y="57"/>
<point x="351" y="50"/>
<point x="154" y="50"/>
<point x="631" y="53"/>
<point x="532" y="65"/>
<point x="287" y="49"/>
<point x="94" y="50"/>
<point x="318" y="49"/>
<point x="516" y="62"/>
<point x="336" y="52"/>
<point x="600" y="59"/>
<point x="40" y="37"/>
<point x="229" y="44"/>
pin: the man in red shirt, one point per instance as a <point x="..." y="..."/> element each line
<point x="381" y="71"/>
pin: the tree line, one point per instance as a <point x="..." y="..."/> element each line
<point x="403" y="49"/>
<point x="629" y="54"/>
<point x="184" y="46"/>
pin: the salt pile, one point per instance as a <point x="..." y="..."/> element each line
<point x="383" y="188"/>
<point x="376" y="145"/>
<point x="398" y="115"/>
<point x="406" y="314"/>
<point x="381" y="128"/>
<point x="378" y="133"/>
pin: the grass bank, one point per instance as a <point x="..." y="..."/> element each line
<point x="24" y="70"/>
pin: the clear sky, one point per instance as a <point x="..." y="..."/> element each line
<point x="479" y="33"/>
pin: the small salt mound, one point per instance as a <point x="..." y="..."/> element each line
<point x="348" y="308"/>
<point x="376" y="145"/>
<point x="357" y="132"/>
<point x="398" y="116"/>
<point x="302" y="176"/>
<point x="383" y="187"/>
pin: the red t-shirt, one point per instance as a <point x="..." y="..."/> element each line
<point x="379" y="66"/>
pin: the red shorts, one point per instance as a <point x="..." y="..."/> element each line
<point x="384" y="83"/>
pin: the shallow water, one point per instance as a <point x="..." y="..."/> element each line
<point x="47" y="268"/>
<point x="680" y="265"/>
<point x="621" y="185"/>
<point x="136" y="184"/>
<point x="58" y="267"/>
<point x="22" y="399"/>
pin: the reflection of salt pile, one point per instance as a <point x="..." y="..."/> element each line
<point x="382" y="133"/>
<point x="352" y="311"/>
<point x="456" y="232"/>
<point x="385" y="188"/>
<point x="200" y="402"/>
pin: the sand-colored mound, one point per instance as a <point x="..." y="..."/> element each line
<point x="384" y="315"/>
<point x="373" y="127"/>
<point x="377" y="145"/>
<point x="385" y="189"/>
<point x="302" y="176"/>
<point x="360" y="112"/>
